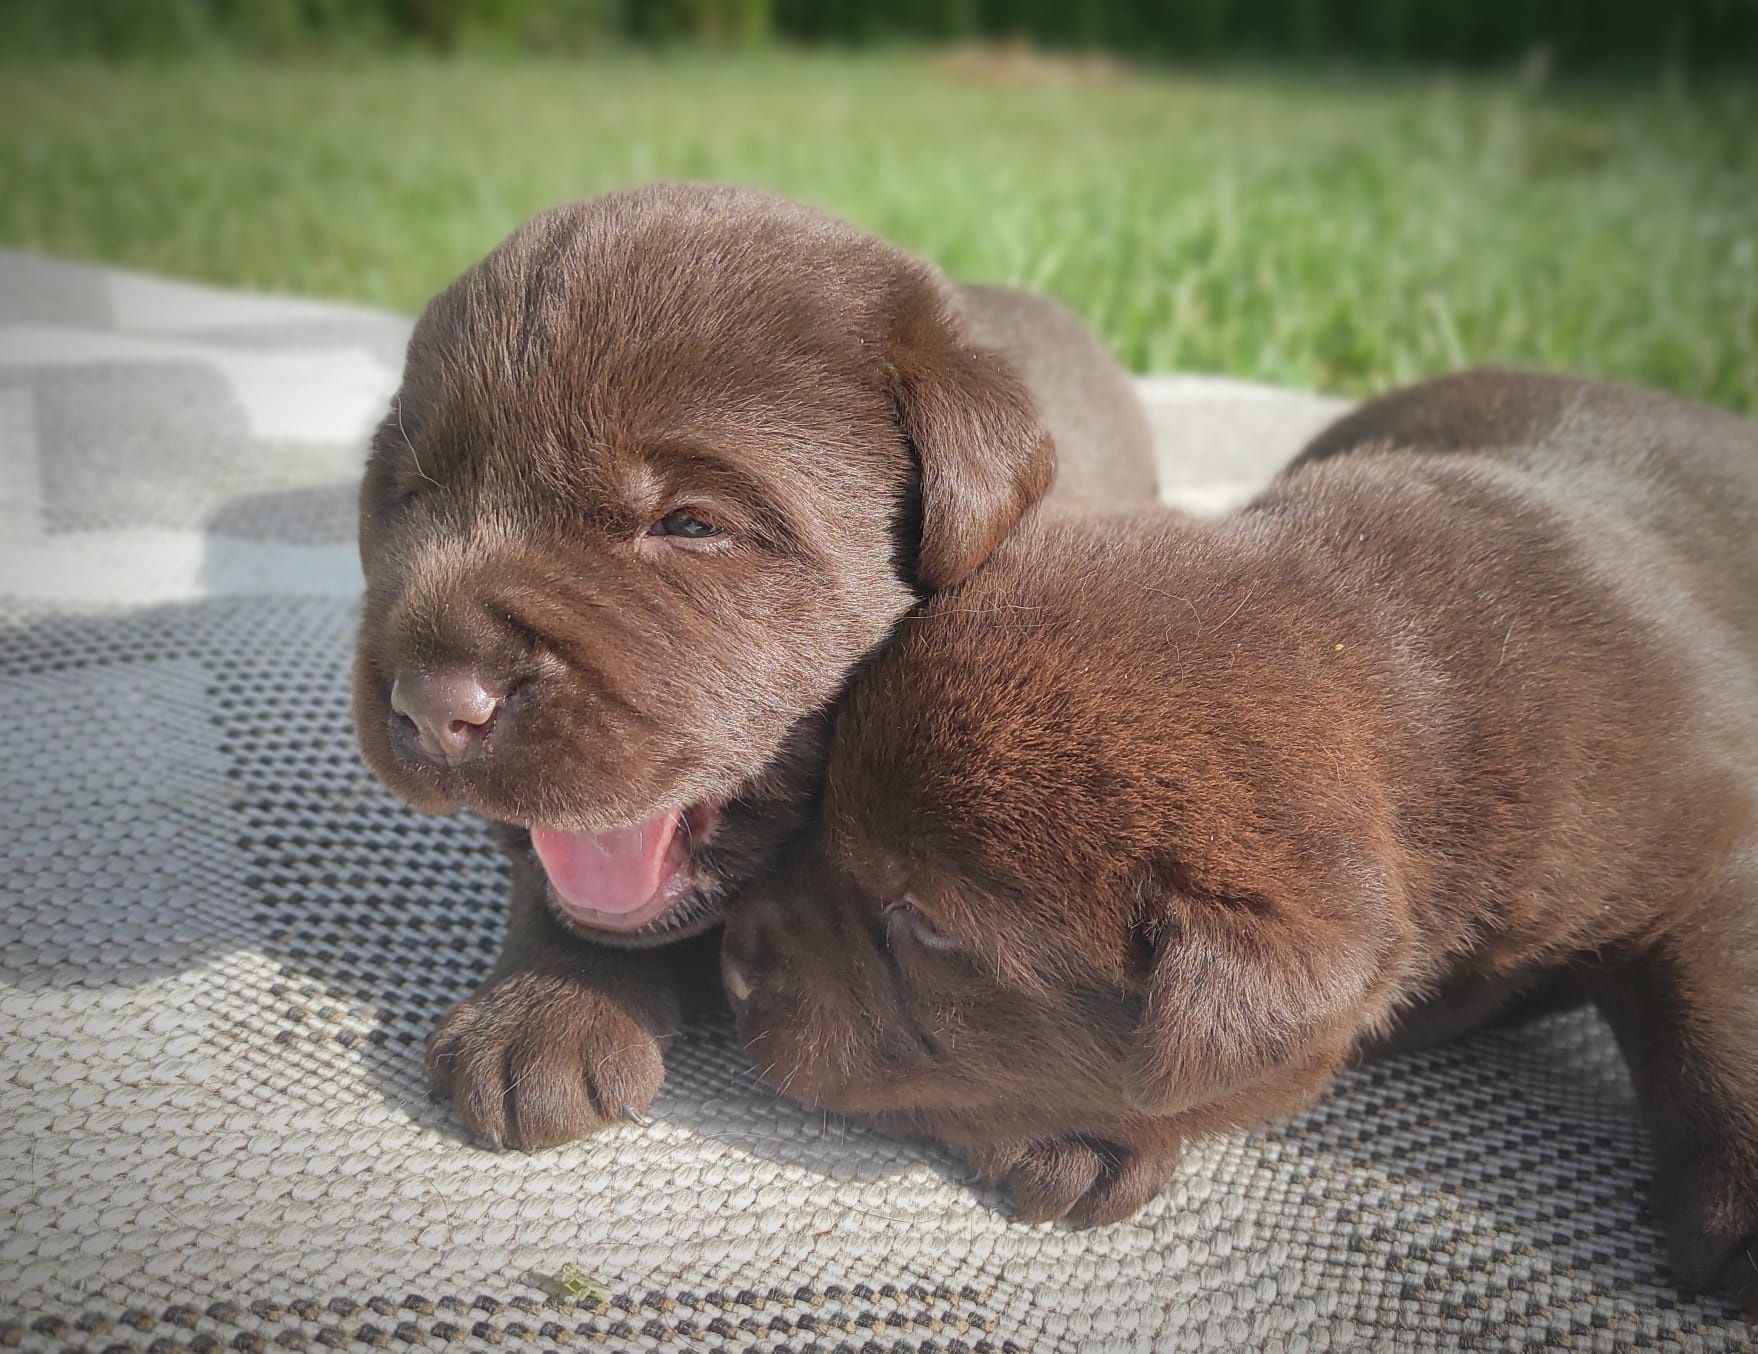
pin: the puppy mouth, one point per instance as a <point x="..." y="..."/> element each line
<point x="626" y="879"/>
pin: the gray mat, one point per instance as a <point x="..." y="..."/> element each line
<point x="221" y="945"/>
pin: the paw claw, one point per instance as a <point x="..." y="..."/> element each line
<point x="1076" y="1181"/>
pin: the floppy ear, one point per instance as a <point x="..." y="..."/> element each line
<point x="1237" y="988"/>
<point x="984" y="455"/>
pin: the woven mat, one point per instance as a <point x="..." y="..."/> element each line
<point x="221" y="945"/>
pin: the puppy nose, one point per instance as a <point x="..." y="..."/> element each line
<point x="450" y="711"/>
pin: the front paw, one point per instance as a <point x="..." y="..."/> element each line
<point x="1709" y="1212"/>
<point x="543" y="1057"/>
<point x="1084" y="1182"/>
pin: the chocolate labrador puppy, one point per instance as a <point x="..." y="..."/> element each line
<point x="1150" y="825"/>
<point x="663" y="467"/>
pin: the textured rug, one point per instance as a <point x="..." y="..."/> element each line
<point x="221" y="945"/>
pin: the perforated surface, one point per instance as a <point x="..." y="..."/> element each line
<point x="221" y="945"/>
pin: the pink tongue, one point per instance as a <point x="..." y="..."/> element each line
<point x="614" y="872"/>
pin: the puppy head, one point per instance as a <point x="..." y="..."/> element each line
<point x="1054" y="884"/>
<point x="663" y="467"/>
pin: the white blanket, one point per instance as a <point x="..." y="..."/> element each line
<point x="221" y="945"/>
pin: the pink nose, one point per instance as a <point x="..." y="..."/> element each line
<point x="450" y="711"/>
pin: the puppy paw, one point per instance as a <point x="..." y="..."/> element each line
<point x="1712" y="1245"/>
<point x="1704" y="1198"/>
<point x="1084" y="1182"/>
<point x="1706" y="1261"/>
<point x="543" y="1057"/>
<point x="1738" y="1277"/>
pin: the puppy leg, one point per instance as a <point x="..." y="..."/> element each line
<point x="1686" y="1016"/>
<point x="563" y="1037"/>
<point x="1468" y="1008"/>
<point x="1085" y="1182"/>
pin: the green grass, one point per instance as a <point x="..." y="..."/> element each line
<point x="1303" y="229"/>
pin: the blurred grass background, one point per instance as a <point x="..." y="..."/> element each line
<point x="1325" y="223"/>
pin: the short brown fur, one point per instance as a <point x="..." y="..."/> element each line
<point x="1150" y="826"/>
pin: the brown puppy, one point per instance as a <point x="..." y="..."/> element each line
<point x="664" y="466"/>
<point x="1150" y="825"/>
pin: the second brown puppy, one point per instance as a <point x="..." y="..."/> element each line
<point x="1150" y="826"/>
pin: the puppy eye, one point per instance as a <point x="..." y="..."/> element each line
<point x="684" y="525"/>
<point x="902" y="916"/>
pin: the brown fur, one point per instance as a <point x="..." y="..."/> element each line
<point x="858" y="426"/>
<point x="1149" y="826"/>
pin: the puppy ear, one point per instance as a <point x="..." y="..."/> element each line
<point x="1237" y="988"/>
<point x="984" y="455"/>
